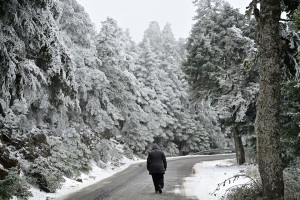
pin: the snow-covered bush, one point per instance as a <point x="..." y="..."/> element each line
<point x="292" y="181"/>
<point x="14" y="185"/>
<point x="248" y="191"/>
<point x="69" y="154"/>
<point x="43" y="175"/>
<point x="171" y="149"/>
<point x="107" y="151"/>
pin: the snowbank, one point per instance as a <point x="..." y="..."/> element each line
<point x="207" y="175"/>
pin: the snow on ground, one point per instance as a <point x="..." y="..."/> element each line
<point x="208" y="174"/>
<point x="203" y="182"/>
<point x="95" y="175"/>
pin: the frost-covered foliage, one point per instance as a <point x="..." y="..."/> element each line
<point x="291" y="177"/>
<point x="117" y="53"/>
<point x="38" y="88"/>
<point x="206" y="59"/>
<point x="239" y="86"/>
<point x="13" y="186"/>
<point x="36" y="69"/>
<point x="291" y="48"/>
<point x="220" y="65"/>
<point x="166" y="98"/>
<point x="41" y="114"/>
<point x="208" y="117"/>
<point x="290" y="121"/>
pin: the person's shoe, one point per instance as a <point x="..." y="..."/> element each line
<point x="159" y="189"/>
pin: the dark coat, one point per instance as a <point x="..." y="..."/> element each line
<point x="156" y="161"/>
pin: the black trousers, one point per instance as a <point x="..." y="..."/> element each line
<point x="158" y="179"/>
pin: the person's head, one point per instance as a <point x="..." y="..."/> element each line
<point x="155" y="146"/>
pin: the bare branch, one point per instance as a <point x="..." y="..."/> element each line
<point x="286" y="20"/>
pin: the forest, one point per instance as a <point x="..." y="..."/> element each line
<point x="71" y="95"/>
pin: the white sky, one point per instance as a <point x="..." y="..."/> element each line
<point x="137" y="14"/>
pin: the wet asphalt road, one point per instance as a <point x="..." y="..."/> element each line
<point x="135" y="183"/>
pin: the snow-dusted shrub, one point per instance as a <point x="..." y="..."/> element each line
<point x="249" y="191"/>
<point x="106" y="151"/>
<point x="171" y="149"/>
<point x="69" y="154"/>
<point x="128" y="152"/>
<point x="244" y="192"/>
<point x="291" y="177"/>
<point x="13" y="185"/>
<point x="43" y="175"/>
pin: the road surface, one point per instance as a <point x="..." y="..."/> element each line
<point x="135" y="183"/>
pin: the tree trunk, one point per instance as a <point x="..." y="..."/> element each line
<point x="267" y="118"/>
<point x="239" y="149"/>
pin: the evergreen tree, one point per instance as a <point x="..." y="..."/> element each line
<point x="160" y="72"/>
<point x="216" y="50"/>
<point x="153" y="34"/>
<point x="205" y="59"/>
<point x="37" y="73"/>
<point x="290" y="118"/>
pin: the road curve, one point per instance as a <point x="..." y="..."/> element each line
<point x="135" y="183"/>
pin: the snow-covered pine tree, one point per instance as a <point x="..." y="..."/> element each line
<point x="237" y="105"/>
<point x="37" y="72"/>
<point x="290" y="120"/>
<point x="117" y="54"/>
<point x="39" y="92"/>
<point x="214" y="66"/>
<point x="160" y="71"/>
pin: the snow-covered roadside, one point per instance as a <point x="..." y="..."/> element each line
<point x="95" y="175"/>
<point x="205" y="180"/>
<point x="207" y="175"/>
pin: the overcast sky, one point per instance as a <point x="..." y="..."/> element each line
<point x="137" y="14"/>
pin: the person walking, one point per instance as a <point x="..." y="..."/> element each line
<point x="157" y="165"/>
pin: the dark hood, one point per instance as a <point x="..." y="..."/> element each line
<point x="155" y="146"/>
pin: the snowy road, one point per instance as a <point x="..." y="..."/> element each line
<point x="135" y="183"/>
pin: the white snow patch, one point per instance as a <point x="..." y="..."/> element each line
<point x="208" y="174"/>
<point x="177" y="190"/>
